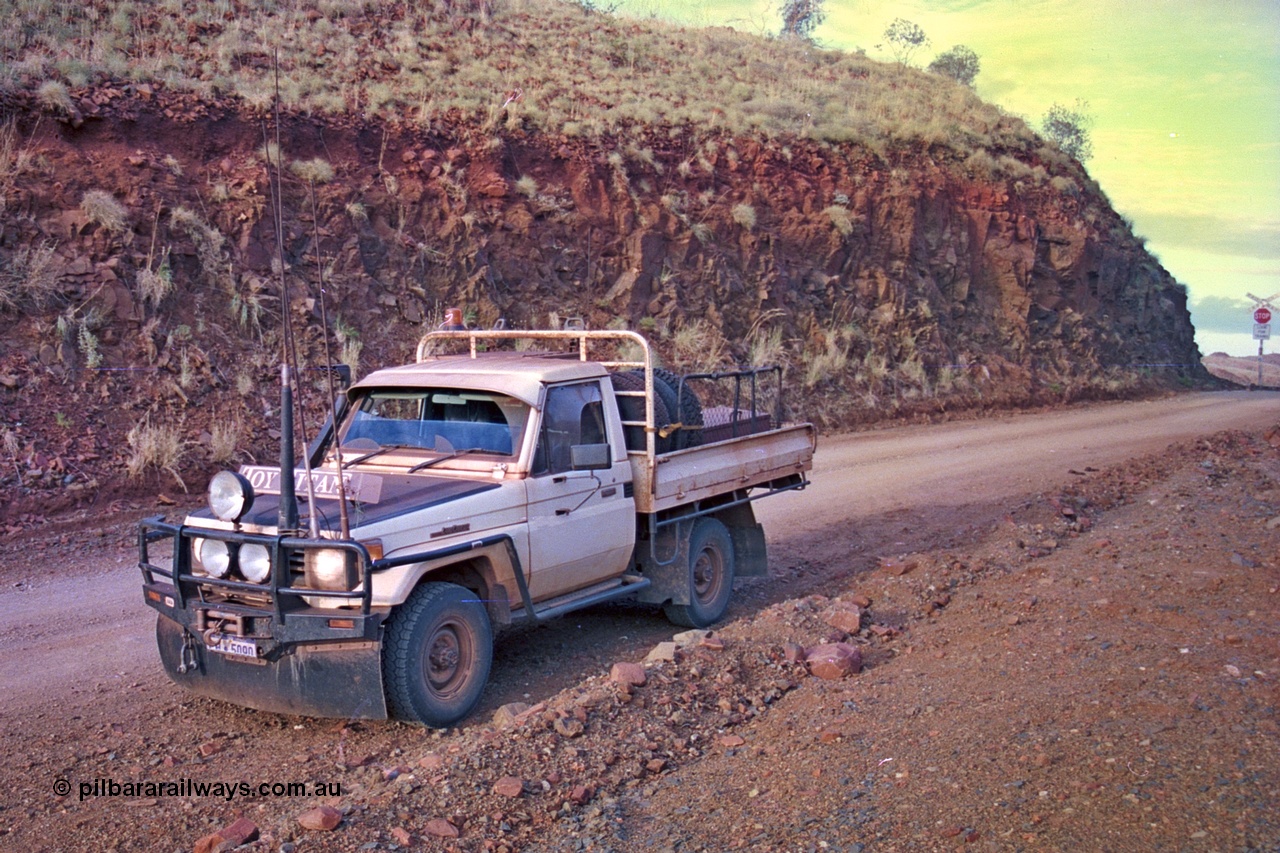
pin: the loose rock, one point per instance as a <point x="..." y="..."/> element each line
<point x="685" y="639"/>
<point x="441" y="828"/>
<point x="844" y="617"/>
<point x="507" y="714"/>
<point x="663" y="652"/>
<point x="569" y="727"/>
<point x="833" y="660"/>
<point x="509" y="786"/>
<point x="628" y="673"/>
<point x="228" y="838"/>
<point x="320" y="819"/>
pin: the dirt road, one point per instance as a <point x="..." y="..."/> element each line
<point x="989" y="461"/>
<point x="872" y="493"/>
<point x="80" y="682"/>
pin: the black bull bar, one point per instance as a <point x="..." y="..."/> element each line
<point x="309" y="661"/>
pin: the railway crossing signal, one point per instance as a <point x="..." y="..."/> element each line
<point x="1262" y="324"/>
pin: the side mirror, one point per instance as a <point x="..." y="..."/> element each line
<point x="341" y="372"/>
<point x="590" y="457"/>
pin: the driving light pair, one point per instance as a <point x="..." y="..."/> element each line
<point x="253" y="561"/>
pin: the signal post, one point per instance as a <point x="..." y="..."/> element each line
<point x="1262" y="324"/>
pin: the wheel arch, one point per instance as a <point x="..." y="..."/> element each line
<point x="489" y="571"/>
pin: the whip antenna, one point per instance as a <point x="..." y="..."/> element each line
<point x="343" y="519"/>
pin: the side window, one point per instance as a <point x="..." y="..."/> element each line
<point x="574" y="414"/>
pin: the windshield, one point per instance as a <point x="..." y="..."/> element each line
<point x="443" y="421"/>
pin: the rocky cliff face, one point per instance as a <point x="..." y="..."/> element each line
<point x="890" y="284"/>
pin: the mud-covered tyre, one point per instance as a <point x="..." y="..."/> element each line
<point x="632" y="409"/>
<point x="710" y="576"/>
<point x="437" y="650"/>
<point x="685" y="405"/>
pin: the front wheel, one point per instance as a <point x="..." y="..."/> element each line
<point x="436" y="655"/>
<point x="710" y="576"/>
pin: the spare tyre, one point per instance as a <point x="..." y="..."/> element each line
<point x="684" y="403"/>
<point x="632" y="409"/>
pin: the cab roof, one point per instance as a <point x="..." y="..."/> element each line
<point x="519" y="375"/>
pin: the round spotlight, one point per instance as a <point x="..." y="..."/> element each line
<point x="230" y="495"/>
<point x="214" y="556"/>
<point x="255" y="562"/>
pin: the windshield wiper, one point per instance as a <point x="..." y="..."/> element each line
<point x="386" y="448"/>
<point x="454" y="455"/>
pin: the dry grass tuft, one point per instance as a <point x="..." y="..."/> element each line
<point x="349" y="342"/>
<point x="54" y="96"/>
<point x="224" y="440"/>
<point x="15" y="159"/>
<point x="155" y="448"/>
<point x="527" y="186"/>
<point x="358" y="212"/>
<point x="207" y="239"/>
<point x="154" y="285"/>
<point x="840" y="218"/>
<point x="102" y="208"/>
<point x="699" y="346"/>
<point x="316" y="171"/>
<point x="29" y="277"/>
<point x="765" y="348"/>
<point x="827" y="357"/>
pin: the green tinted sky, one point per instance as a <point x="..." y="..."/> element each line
<point x="1185" y="96"/>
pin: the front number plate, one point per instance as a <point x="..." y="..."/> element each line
<point x="235" y="646"/>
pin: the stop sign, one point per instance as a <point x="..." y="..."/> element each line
<point x="1262" y="315"/>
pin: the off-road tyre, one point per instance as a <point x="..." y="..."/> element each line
<point x="685" y="404"/>
<point x="632" y="409"/>
<point x="436" y="653"/>
<point x="710" y="576"/>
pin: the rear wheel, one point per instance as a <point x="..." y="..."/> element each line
<point x="710" y="576"/>
<point x="436" y="655"/>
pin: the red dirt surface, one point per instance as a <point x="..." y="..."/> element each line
<point x="1098" y="671"/>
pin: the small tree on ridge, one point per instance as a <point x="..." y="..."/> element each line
<point x="904" y="38"/>
<point x="1069" y="128"/>
<point x="960" y="63"/>
<point x="801" y="17"/>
